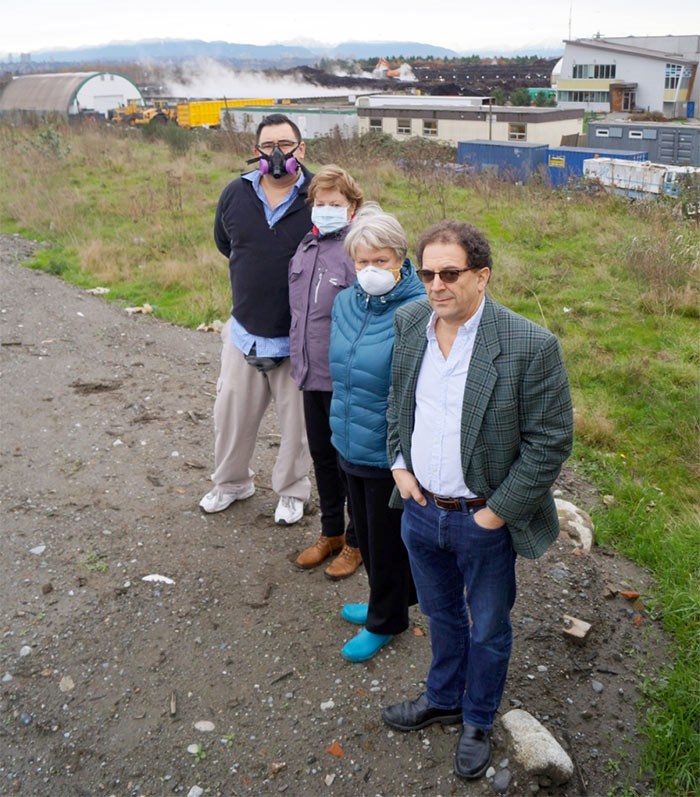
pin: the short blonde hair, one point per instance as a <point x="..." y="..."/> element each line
<point x="333" y="177"/>
<point x="377" y="230"/>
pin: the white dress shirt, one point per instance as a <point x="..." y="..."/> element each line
<point x="437" y="433"/>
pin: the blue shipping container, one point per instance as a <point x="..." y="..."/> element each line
<point x="566" y="163"/>
<point x="510" y="160"/>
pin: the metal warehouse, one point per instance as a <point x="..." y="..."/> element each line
<point x="68" y="93"/>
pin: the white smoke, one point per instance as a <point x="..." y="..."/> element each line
<point x="207" y="79"/>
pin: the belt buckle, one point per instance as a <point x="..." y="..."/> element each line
<point x="450" y="504"/>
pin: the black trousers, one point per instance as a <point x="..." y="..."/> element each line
<point x="378" y="529"/>
<point x="330" y="478"/>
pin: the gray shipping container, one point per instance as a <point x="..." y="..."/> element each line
<point x="675" y="145"/>
<point x="510" y="160"/>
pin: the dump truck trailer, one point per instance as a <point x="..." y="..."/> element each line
<point x="207" y="113"/>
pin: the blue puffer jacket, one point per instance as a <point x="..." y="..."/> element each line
<point x="362" y="344"/>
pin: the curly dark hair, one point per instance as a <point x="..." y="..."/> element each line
<point x="465" y="235"/>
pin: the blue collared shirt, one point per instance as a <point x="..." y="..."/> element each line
<point x="240" y="337"/>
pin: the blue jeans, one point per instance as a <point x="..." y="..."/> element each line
<point x="457" y="565"/>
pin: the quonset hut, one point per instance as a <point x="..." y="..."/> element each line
<point x="67" y="94"/>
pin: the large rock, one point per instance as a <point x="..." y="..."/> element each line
<point x="575" y="523"/>
<point x="536" y="749"/>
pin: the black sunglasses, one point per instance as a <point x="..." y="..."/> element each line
<point x="447" y="275"/>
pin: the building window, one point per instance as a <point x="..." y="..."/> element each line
<point x="403" y="127"/>
<point x="635" y="134"/>
<point x="595" y="71"/>
<point x="584" y="96"/>
<point x="375" y="125"/>
<point x="517" y="132"/>
<point x="602" y="132"/>
<point x="430" y="127"/>
<point x="673" y="76"/>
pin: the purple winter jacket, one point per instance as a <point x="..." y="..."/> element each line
<point x="319" y="270"/>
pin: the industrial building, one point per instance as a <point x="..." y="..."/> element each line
<point x="453" y="119"/>
<point x="635" y="73"/>
<point x="672" y="144"/>
<point x="314" y="122"/>
<point x="68" y="94"/>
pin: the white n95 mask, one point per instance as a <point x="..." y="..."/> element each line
<point x="376" y="281"/>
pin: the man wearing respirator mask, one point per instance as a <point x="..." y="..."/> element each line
<point x="260" y="219"/>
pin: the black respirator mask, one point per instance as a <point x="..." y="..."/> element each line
<point x="277" y="163"/>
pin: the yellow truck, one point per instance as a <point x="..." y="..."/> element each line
<point x="207" y="113"/>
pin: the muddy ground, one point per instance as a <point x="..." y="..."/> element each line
<point x="105" y="678"/>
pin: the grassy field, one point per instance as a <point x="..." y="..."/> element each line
<point x="618" y="282"/>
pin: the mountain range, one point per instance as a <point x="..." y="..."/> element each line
<point x="306" y="52"/>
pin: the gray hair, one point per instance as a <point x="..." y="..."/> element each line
<point x="375" y="229"/>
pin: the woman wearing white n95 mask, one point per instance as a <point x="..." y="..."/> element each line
<point x="362" y="343"/>
<point x="319" y="270"/>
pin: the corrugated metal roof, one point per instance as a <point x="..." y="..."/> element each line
<point x="48" y="93"/>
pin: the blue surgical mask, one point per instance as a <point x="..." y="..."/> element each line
<point x="328" y="218"/>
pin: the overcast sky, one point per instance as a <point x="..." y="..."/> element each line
<point x="33" y="25"/>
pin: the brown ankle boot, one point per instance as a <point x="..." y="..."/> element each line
<point x="319" y="551"/>
<point x="344" y="564"/>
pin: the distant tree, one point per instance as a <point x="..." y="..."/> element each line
<point x="499" y="96"/>
<point x="520" y="97"/>
<point x="540" y="99"/>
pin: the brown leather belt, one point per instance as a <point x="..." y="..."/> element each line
<point x="442" y="502"/>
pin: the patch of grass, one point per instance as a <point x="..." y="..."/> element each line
<point x="96" y="563"/>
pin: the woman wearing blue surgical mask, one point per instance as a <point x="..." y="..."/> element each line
<point x="362" y="344"/>
<point x="319" y="270"/>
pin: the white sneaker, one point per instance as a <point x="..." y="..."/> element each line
<point x="217" y="501"/>
<point x="289" y="510"/>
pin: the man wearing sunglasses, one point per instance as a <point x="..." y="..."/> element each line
<point x="260" y="219"/>
<point x="479" y="424"/>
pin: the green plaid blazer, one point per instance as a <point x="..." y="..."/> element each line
<point x="517" y="419"/>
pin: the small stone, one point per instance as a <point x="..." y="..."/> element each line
<point x="38" y="550"/>
<point x="47" y="588"/>
<point x="597" y="686"/>
<point x="501" y="781"/>
<point x="25" y="651"/>
<point x="66" y="684"/>
<point x="205" y="726"/>
<point x="195" y="791"/>
<point x="25" y="719"/>
<point x="6" y="678"/>
<point x="327" y="705"/>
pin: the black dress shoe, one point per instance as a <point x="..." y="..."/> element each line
<point x="473" y="754"/>
<point x="414" y="714"/>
